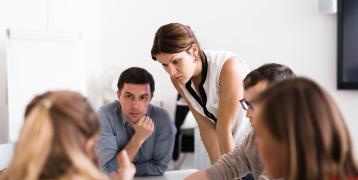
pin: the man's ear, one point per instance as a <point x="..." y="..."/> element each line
<point x="151" y="96"/>
<point x="118" y="93"/>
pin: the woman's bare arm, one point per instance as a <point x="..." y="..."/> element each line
<point x="231" y="91"/>
<point x="206" y="127"/>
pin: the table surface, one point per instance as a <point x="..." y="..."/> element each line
<point x="170" y="175"/>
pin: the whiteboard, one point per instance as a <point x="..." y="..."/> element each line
<point x="37" y="62"/>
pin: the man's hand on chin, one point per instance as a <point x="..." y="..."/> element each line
<point x="143" y="128"/>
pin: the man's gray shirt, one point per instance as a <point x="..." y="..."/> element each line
<point x="154" y="154"/>
<point x="238" y="163"/>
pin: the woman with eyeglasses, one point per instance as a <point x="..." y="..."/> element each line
<point x="301" y="134"/>
<point x="209" y="81"/>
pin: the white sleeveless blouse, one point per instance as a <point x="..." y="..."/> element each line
<point x="210" y="90"/>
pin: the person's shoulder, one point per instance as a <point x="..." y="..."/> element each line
<point x="162" y="120"/>
<point x="156" y="110"/>
<point x="217" y="58"/>
<point x="219" y="52"/>
<point x="249" y="139"/>
<point x="159" y="114"/>
<point x="251" y="136"/>
<point x="108" y="107"/>
<point x="109" y="112"/>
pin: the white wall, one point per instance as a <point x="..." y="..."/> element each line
<point x="289" y="32"/>
<point x="259" y="31"/>
<point x="79" y="16"/>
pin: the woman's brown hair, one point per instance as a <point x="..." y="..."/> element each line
<point x="174" y="38"/>
<point x="301" y="115"/>
<point x="52" y="143"/>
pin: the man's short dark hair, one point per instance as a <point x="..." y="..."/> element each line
<point x="136" y="75"/>
<point x="268" y="72"/>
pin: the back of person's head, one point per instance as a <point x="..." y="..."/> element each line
<point x="136" y="75"/>
<point x="53" y="140"/>
<point x="268" y="72"/>
<point x="305" y="119"/>
<point x="34" y="102"/>
<point x="174" y="38"/>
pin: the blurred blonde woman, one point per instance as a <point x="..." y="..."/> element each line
<point x="57" y="141"/>
<point x="301" y="134"/>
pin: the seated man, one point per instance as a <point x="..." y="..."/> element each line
<point x="244" y="159"/>
<point x="145" y="131"/>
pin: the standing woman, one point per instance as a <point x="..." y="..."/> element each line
<point x="209" y="81"/>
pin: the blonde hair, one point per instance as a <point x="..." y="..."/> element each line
<point x="301" y="115"/>
<point x="52" y="143"/>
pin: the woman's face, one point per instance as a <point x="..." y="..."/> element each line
<point x="180" y="66"/>
<point x="271" y="151"/>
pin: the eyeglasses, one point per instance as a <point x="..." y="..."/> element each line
<point x="246" y="104"/>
